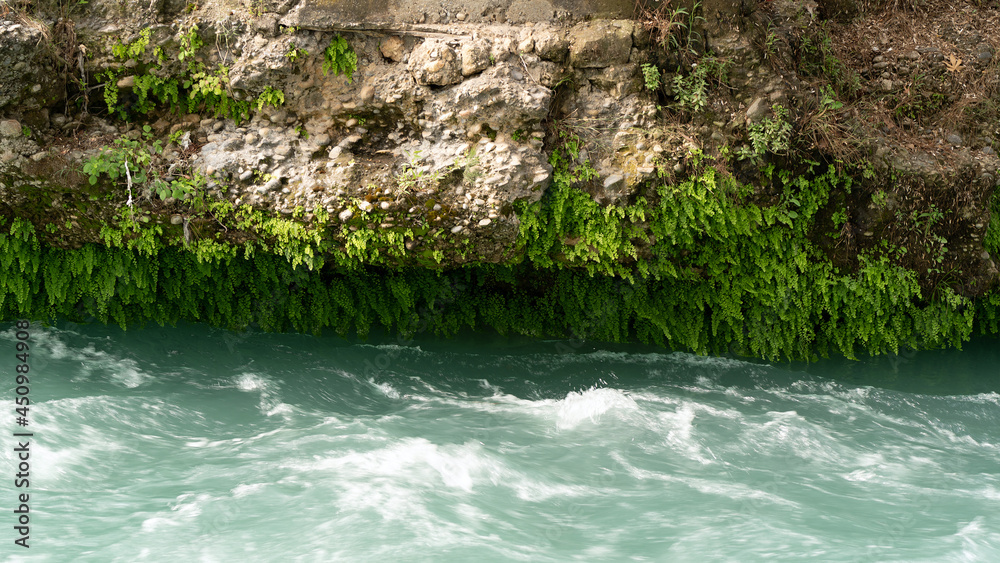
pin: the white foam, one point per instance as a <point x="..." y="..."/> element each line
<point x="270" y="400"/>
<point x="590" y="405"/>
<point x="243" y="490"/>
<point x="185" y="510"/>
<point x="250" y="382"/>
<point x="385" y="389"/>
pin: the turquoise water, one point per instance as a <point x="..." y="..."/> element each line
<point x="195" y="444"/>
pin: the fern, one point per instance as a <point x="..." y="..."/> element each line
<point x="340" y="58"/>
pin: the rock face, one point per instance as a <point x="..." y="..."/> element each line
<point x="27" y="81"/>
<point x="434" y="130"/>
<point x="319" y="13"/>
<point x="600" y="43"/>
<point x="451" y="118"/>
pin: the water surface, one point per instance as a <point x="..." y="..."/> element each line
<point x="196" y="444"/>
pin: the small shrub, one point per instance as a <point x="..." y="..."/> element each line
<point x="340" y="58"/>
<point x="651" y="75"/>
<point x="270" y="97"/>
<point x="771" y="134"/>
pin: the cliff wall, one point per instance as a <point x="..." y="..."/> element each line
<point x="775" y="170"/>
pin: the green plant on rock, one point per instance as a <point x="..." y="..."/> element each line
<point x="144" y="83"/>
<point x="691" y="90"/>
<point x="270" y="97"/>
<point x="340" y="58"/>
<point x="416" y="177"/>
<point x="294" y="53"/>
<point x="132" y="163"/>
<point x="771" y="134"/>
<point x="470" y="166"/>
<point x="133" y="49"/>
<point x="671" y="27"/>
<point x="210" y="90"/>
<point x="196" y="88"/>
<point x="130" y="160"/>
<point x="651" y="76"/>
<point x="817" y="58"/>
<point x="190" y="43"/>
<point x="181" y="188"/>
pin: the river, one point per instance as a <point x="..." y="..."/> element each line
<point x="190" y="443"/>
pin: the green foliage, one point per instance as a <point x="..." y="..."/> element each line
<point x="340" y="58"/>
<point x="651" y="76"/>
<point x="210" y="90"/>
<point x="816" y="58"/>
<point x="701" y="265"/>
<point x="771" y="134"/>
<point x="919" y="106"/>
<point x="270" y="97"/>
<point x="691" y="90"/>
<point x="880" y="199"/>
<point x="671" y="27"/>
<point x="294" y="53"/>
<point x="839" y="218"/>
<point x="196" y="88"/>
<point x="415" y="177"/>
<point x="131" y="163"/>
<point x="190" y="43"/>
<point x="181" y="188"/>
<point x="133" y="50"/>
<point x="128" y="159"/>
<point x="828" y="100"/>
<point x="707" y="271"/>
<point x="470" y="166"/>
<point x="741" y="284"/>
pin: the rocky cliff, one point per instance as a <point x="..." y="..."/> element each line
<point x="704" y="146"/>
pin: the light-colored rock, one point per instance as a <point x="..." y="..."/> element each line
<point x="10" y="128"/>
<point x="475" y="57"/>
<point x="434" y="62"/>
<point x="757" y="110"/>
<point x="392" y="48"/>
<point x="551" y="46"/>
<point x="600" y="43"/>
